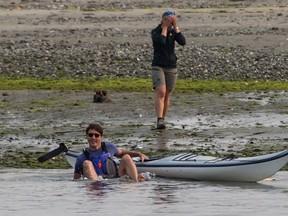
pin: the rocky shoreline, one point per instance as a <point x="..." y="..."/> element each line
<point x="228" y="40"/>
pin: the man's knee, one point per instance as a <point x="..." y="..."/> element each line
<point x="87" y="163"/>
<point x="126" y="160"/>
<point x="126" y="157"/>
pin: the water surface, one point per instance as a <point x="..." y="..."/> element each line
<point x="52" y="192"/>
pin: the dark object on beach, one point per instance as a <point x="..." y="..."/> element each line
<point x="101" y="96"/>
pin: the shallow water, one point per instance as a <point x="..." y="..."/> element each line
<point x="52" y="192"/>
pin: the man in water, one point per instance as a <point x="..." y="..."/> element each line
<point x="93" y="161"/>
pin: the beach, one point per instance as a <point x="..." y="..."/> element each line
<point x="227" y="40"/>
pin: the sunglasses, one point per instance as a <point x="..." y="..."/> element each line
<point x="94" y="134"/>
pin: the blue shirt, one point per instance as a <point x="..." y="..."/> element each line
<point x="111" y="149"/>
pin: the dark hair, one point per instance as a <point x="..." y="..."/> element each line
<point x="96" y="127"/>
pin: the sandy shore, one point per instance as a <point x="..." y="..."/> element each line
<point x="226" y="39"/>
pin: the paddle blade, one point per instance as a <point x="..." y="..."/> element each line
<point x="55" y="152"/>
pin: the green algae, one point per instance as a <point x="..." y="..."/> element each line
<point x="139" y="85"/>
<point x="28" y="160"/>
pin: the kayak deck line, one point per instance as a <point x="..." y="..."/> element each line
<point x="206" y="163"/>
<point x="222" y="162"/>
<point x="186" y="157"/>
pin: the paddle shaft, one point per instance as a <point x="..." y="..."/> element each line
<point x="55" y="152"/>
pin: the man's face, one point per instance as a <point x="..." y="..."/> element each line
<point x="94" y="139"/>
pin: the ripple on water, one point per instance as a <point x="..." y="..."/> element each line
<point x="46" y="192"/>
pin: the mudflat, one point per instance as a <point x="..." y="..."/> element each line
<point x="83" y="38"/>
<point x="231" y="123"/>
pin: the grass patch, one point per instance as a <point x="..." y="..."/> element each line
<point x="29" y="160"/>
<point x="138" y="85"/>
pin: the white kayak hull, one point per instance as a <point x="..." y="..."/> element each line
<point x="206" y="168"/>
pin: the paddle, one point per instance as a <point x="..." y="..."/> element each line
<point x="62" y="148"/>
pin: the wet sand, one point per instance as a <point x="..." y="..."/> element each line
<point x="39" y="36"/>
<point x="232" y="123"/>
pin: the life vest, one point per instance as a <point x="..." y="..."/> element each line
<point x="102" y="162"/>
<point x="99" y="163"/>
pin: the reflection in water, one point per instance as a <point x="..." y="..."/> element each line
<point x="99" y="188"/>
<point x="105" y="186"/>
<point x="166" y="139"/>
<point x="164" y="194"/>
<point x="241" y="185"/>
<point x="162" y="139"/>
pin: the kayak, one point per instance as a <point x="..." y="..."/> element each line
<point x="207" y="168"/>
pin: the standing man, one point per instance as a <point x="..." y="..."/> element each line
<point x="93" y="162"/>
<point x="164" y="68"/>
